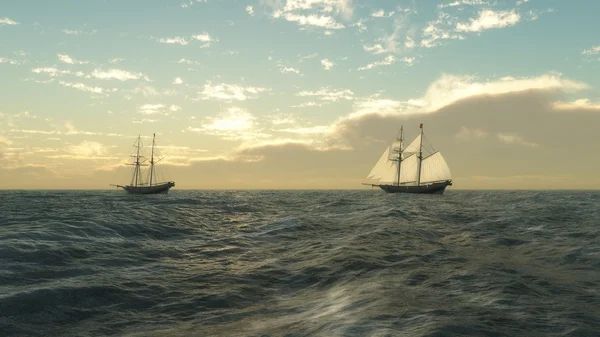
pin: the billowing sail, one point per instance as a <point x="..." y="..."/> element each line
<point x="385" y="171"/>
<point x="408" y="170"/>
<point x="434" y="168"/>
<point x="414" y="146"/>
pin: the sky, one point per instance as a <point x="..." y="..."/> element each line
<point x="298" y="94"/>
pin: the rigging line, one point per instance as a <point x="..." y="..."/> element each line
<point x="429" y="143"/>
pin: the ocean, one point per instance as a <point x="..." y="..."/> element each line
<point x="299" y="263"/>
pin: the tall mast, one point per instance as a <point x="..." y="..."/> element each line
<point x="137" y="161"/>
<point x="152" y="159"/>
<point x="400" y="153"/>
<point x="420" y="156"/>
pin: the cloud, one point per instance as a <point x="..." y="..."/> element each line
<point x="322" y="21"/>
<point x="83" y="87"/>
<point x="234" y="124"/>
<point x="174" y="40"/>
<point x="508" y="138"/>
<point x="489" y="19"/>
<point x="592" y="51"/>
<point x="579" y="104"/>
<point x="249" y="10"/>
<point x="203" y="37"/>
<point x="466" y="133"/>
<point x="116" y="60"/>
<point x="7" y="21"/>
<point x="78" y="32"/>
<point x="326" y="94"/>
<point x="306" y="104"/>
<point x="117" y="74"/>
<point x="390" y="59"/>
<point x="9" y="61"/>
<point x="327" y="65"/>
<point x="178" y="80"/>
<point x="316" y="13"/>
<point x="157" y="109"/>
<point x="67" y="59"/>
<point x="86" y="150"/>
<point x="285" y="69"/>
<point x="184" y="61"/>
<point x="224" y="91"/>
<point x="51" y="71"/>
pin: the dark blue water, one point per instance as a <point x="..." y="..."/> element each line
<point x="299" y="263"/>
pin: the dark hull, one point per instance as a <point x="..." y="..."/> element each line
<point x="155" y="189"/>
<point x="435" y="188"/>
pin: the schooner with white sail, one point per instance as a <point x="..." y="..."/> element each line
<point x="151" y="184"/>
<point x="405" y="169"/>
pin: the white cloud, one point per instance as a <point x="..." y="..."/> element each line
<point x="178" y="80"/>
<point x="203" y="37"/>
<point x="68" y="59"/>
<point x="146" y="91"/>
<point x="509" y="138"/>
<point x="592" y="51"/>
<point x="327" y="65"/>
<point x="449" y="89"/>
<point x="579" y="104"/>
<point x="249" y="10"/>
<point x="157" y="109"/>
<point x="234" y="124"/>
<point x="83" y="87"/>
<point x="51" y="71"/>
<point x="489" y="19"/>
<point x="7" y="21"/>
<point x="121" y="75"/>
<point x="378" y="14"/>
<point x="184" y="61"/>
<point x="387" y="61"/>
<point x="77" y="32"/>
<point x="375" y="49"/>
<point x="317" y="13"/>
<point x="464" y="2"/>
<point x="322" y="21"/>
<point x="174" y="40"/>
<point x="86" y="150"/>
<point x="520" y="2"/>
<point x="230" y="91"/>
<point x="409" y="61"/>
<point x="116" y="60"/>
<point x="326" y="94"/>
<point x="306" y="104"/>
<point x="9" y="61"/>
<point x="466" y="133"/>
<point x="285" y="69"/>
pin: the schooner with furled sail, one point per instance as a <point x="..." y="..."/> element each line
<point x="405" y="169"/>
<point x="150" y="185"/>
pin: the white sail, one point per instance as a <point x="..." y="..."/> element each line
<point x="408" y="170"/>
<point x="434" y="168"/>
<point x="414" y="146"/>
<point x="385" y="171"/>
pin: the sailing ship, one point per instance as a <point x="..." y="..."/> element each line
<point x="137" y="185"/>
<point x="405" y="170"/>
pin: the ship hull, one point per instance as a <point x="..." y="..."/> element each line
<point x="435" y="188"/>
<point x="155" y="189"/>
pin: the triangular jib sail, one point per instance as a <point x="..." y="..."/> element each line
<point x="408" y="166"/>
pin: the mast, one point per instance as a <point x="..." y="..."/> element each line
<point x="137" y="161"/>
<point x="420" y="156"/>
<point x="152" y="159"/>
<point x="400" y="153"/>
